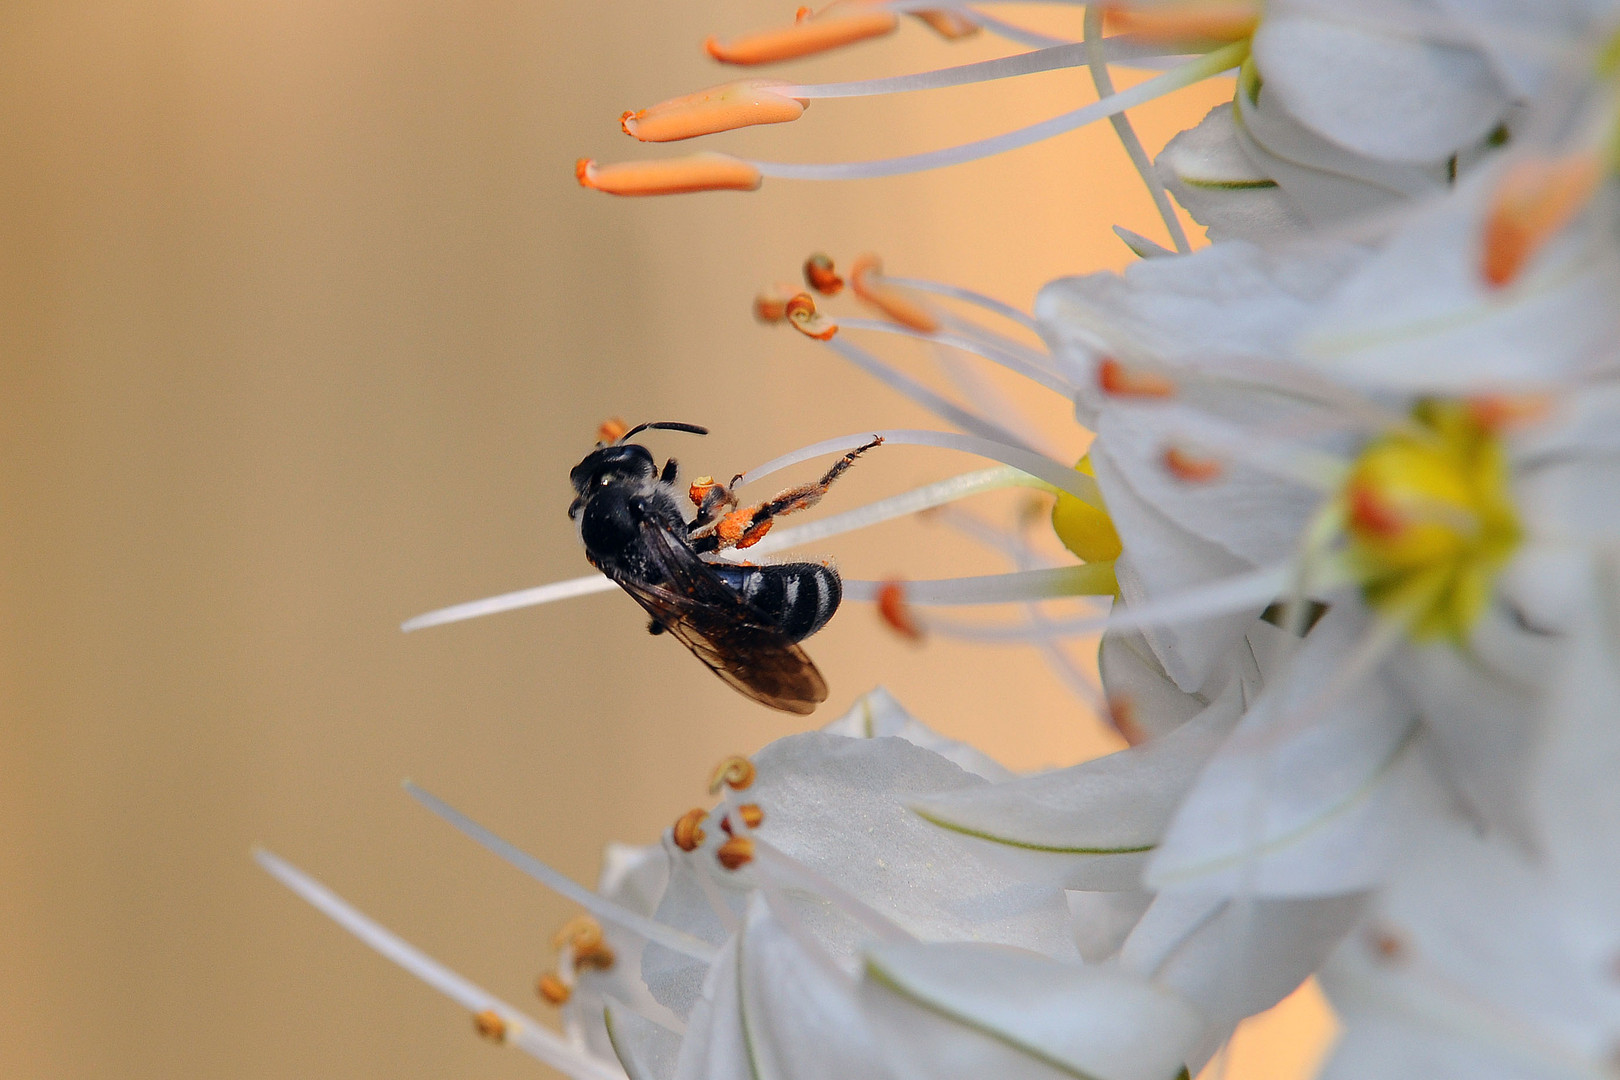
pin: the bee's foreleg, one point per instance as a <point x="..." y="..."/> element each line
<point x="671" y="470"/>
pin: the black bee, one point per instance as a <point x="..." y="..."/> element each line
<point x="743" y="621"/>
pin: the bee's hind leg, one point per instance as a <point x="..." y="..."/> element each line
<point x="746" y="527"/>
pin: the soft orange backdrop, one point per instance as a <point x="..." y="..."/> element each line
<point x="304" y="322"/>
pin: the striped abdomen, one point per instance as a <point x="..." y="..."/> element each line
<point x="797" y="598"/>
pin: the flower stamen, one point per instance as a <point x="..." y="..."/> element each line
<point x="688" y="829"/>
<point x="669" y="176"/>
<point x="1535" y="198"/>
<point x="807" y="35"/>
<point x="735" y="772"/>
<point x="896" y="614"/>
<point x="720" y="108"/>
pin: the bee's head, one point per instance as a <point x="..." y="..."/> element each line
<point x="607" y="465"/>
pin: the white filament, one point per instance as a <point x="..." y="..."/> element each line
<point x="604" y="909"/>
<point x="491" y="605"/>
<point x="527" y="1034"/>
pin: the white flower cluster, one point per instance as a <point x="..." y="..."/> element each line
<point x="1357" y="499"/>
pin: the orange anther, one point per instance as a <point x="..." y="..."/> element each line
<point x="1386" y="944"/>
<point x="1534" y="199"/>
<point x="801" y="312"/>
<point x="735" y="853"/>
<point x="553" y="990"/>
<point x="1183" y="20"/>
<point x="719" y="108"/>
<point x="490" y="1025"/>
<point x="864" y="282"/>
<point x="611" y="430"/>
<point x="582" y="932"/>
<point x="735" y="772"/>
<point x="948" y="24"/>
<point x="669" y="176"/>
<point x="770" y="306"/>
<point x="895" y="612"/>
<point x="688" y="830"/>
<point x="820" y="275"/>
<point x="599" y="957"/>
<point x="1371" y="514"/>
<point x="1500" y="412"/>
<point x="1115" y="378"/>
<point x="808" y="34"/>
<point x="750" y="813"/>
<point x="1192" y="469"/>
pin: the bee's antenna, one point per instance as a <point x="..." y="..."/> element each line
<point x="663" y="425"/>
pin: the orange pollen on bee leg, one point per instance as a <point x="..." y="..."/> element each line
<point x="808" y="34"/>
<point x="1187" y="467"/>
<point x="754" y="535"/>
<point x="490" y="1025"/>
<point x="735" y="526"/>
<point x="611" y="430"/>
<point x="950" y="25"/>
<point x="1115" y="378"/>
<point x="1501" y="412"/>
<point x="802" y="314"/>
<point x="688" y="829"/>
<point x="701" y="486"/>
<point x="1534" y="199"/>
<point x="895" y="612"/>
<point x="1183" y="20"/>
<point x="820" y="275"/>
<point x="735" y="772"/>
<point x="719" y="108"/>
<point x="735" y="853"/>
<point x="863" y="281"/>
<point x="553" y="990"/>
<point x="669" y="176"/>
<point x="750" y="813"/>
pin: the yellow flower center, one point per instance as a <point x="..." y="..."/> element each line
<point x="1430" y="520"/>
<point x="1083" y="528"/>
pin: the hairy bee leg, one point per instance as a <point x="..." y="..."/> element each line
<point x="747" y="526"/>
<point x="671" y="470"/>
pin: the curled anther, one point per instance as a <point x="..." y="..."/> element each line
<point x="582" y="932"/>
<point x="770" y="305"/>
<point x="750" y="814"/>
<point x="820" y="275"/>
<point x="1191" y="468"/>
<point x="1119" y="380"/>
<point x="552" y="990"/>
<point x="669" y="176"/>
<point x="801" y="313"/>
<point x="808" y="34"/>
<point x="735" y="853"/>
<point x="688" y="830"/>
<point x="866" y="282"/>
<point x="491" y="1025"/>
<point x="896" y="613"/>
<point x="748" y="103"/>
<point x="735" y="772"/>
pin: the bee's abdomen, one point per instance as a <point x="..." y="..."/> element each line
<point x="797" y="598"/>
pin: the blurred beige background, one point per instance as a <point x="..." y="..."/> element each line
<point x="304" y="322"/>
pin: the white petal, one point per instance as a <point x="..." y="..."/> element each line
<point x="1083" y="824"/>
<point x="1305" y="799"/>
<point x="1209" y="174"/>
<point x="878" y="715"/>
<point x="1133" y="676"/>
<point x="1382" y="95"/>
<point x="1234" y="958"/>
<point x="648" y="1051"/>
<point x="958" y="1010"/>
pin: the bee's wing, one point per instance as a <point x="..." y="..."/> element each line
<point x="723" y="630"/>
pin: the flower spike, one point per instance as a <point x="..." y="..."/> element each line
<point x="808" y="35"/>
<point x="719" y="108"/>
<point x="669" y="176"/>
